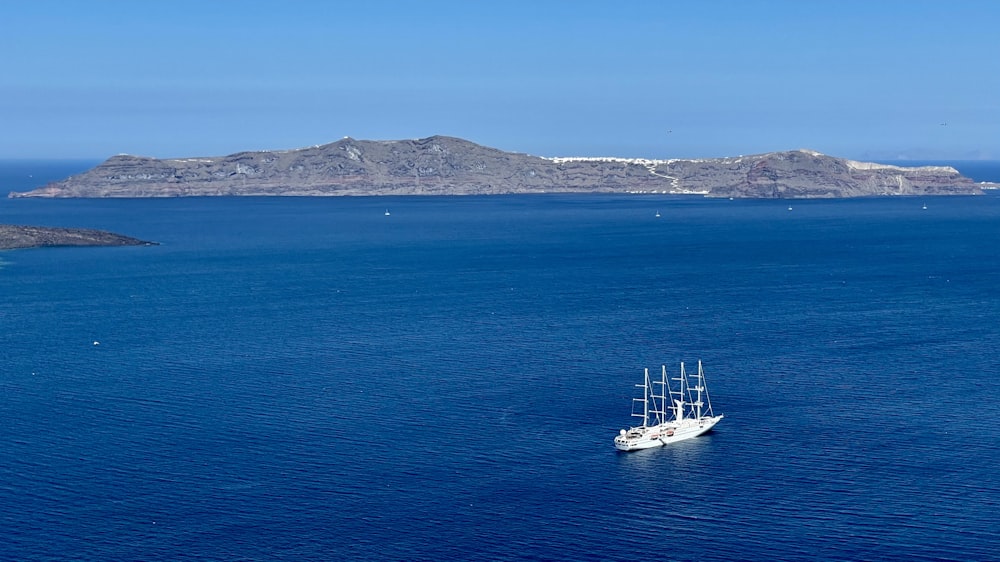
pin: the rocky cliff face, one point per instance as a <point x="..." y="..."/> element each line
<point x="450" y="166"/>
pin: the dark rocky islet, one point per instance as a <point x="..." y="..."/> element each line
<point x="17" y="237"/>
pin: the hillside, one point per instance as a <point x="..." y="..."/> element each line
<point x="450" y="166"/>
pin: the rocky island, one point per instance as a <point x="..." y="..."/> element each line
<point x="442" y="165"/>
<point x="15" y="237"/>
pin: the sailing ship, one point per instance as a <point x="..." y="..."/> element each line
<point x="669" y="415"/>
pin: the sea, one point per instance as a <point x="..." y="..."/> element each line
<point x="316" y="379"/>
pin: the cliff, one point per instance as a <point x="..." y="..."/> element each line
<point x="451" y="166"/>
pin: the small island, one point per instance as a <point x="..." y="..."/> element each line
<point x="17" y="237"/>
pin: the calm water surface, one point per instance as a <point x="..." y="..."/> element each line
<point x="293" y="379"/>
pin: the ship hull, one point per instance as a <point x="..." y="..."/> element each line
<point x="639" y="438"/>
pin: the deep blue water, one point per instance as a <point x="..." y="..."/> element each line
<point x="24" y="175"/>
<point x="307" y="379"/>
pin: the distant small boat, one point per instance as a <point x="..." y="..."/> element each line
<point x="789" y="207"/>
<point x="387" y="212"/>
<point x="669" y="415"/>
<point x="657" y="214"/>
<point x="925" y="206"/>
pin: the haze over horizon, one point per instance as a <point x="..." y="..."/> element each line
<point x="883" y="80"/>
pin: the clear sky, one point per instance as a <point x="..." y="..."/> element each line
<point x="659" y="79"/>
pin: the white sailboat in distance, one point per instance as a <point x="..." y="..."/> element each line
<point x="669" y="415"/>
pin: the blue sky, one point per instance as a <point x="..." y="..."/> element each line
<point x="875" y="79"/>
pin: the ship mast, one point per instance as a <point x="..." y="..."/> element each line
<point x="681" y="392"/>
<point x="699" y="388"/>
<point x="663" y="394"/>
<point x="645" y="401"/>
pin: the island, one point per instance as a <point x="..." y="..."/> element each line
<point x="17" y="237"/>
<point x="441" y="165"/>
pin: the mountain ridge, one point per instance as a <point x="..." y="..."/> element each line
<point x="443" y="165"/>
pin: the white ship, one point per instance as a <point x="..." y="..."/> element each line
<point x="669" y="415"/>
